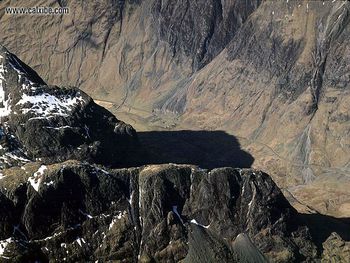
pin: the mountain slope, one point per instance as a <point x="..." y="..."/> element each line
<point x="272" y="73"/>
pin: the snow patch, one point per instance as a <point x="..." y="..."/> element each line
<point x="193" y="221"/>
<point x="5" y="107"/>
<point x="80" y="241"/>
<point x="116" y="218"/>
<point x="57" y="128"/>
<point x="11" y="158"/>
<point x="36" y="179"/>
<point x="191" y="178"/>
<point x="131" y="198"/>
<point x="49" y="183"/>
<point x="45" y="105"/>
<point x="250" y="204"/>
<point x="101" y="170"/>
<point x="3" y="245"/>
<point x="17" y="158"/>
<point x="86" y="214"/>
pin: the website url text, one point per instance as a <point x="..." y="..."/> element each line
<point x="37" y="10"/>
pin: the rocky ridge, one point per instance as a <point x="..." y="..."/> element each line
<point x="77" y="212"/>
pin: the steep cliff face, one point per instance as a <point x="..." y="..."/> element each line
<point x="273" y="73"/>
<point x="168" y="213"/>
<point x="200" y="29"/>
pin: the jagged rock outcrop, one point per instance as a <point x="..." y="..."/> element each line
<point x="77" y="212"/>
<point x="336" y="249"/>
<point x="55" y="124"/>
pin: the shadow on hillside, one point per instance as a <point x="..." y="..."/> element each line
<point x="207" y="149"/>
<point x="322" y="226"/>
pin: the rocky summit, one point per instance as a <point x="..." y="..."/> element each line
<point x="52" y="124"/>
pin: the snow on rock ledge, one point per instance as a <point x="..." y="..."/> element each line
<point x="45" y="105"/>
<point x="55" y="123"/>
<point x="37" y="178"/>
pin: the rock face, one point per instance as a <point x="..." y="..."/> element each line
<point x="201" y="29"/>
<point x="273" y="73"/>
<point x="336" y="249"/>
<point x="166" y="213"/>
<point x="55" y="124"/>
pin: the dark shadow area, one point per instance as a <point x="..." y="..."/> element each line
<point x="207" y="149"/>
<point x="322" y="226"/>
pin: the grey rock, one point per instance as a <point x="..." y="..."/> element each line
<point x="161" y="213"/>
<point x="56" y="124"/>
